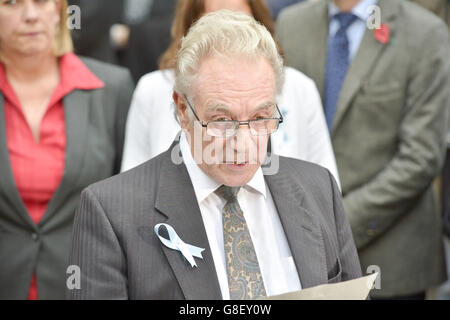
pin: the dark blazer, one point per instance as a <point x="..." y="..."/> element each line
<point x="446" y="194"/>
<point x="148" y="41"/>
<point x="388" y="135"/>
<point x="97" y="17"/>
<point x="95" y="125"/>
<point x="120" y="257"/>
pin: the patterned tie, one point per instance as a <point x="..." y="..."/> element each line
<point x="337" y="65"/>
<point x="244" y="277"/>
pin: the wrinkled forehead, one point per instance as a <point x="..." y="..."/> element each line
<point x="234" y="81"/>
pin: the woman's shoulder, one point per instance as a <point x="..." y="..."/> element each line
<point x="296" y="77"/>
<point x="118" y="83"/>
<point x="158" y="78"/>
<point x="108" y="73"/>
<point x="297" y="85"/>
<point x="157" y="85"/>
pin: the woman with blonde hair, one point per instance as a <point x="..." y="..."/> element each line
<point x="62" y="121"/>
<point x="152" y="126"/>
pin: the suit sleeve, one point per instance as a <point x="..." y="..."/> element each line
<point x="125" y="94"/>
<point x="351" y="267"/>
<point x="97" y="253"/>
<point x="421" y="145"/>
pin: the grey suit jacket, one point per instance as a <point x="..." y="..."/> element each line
<point x="95" y="125"/>
<point x="439" y="7"/>
<point x="388" y="135"/>
<point x="120" y="256"/>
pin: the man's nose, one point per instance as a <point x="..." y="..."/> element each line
<point x="242" y="137"/>
<point x="244" y="144"/>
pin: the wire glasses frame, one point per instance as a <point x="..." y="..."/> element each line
<point x="229" y="128"/>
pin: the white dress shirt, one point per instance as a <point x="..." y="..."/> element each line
<point x="152" y="128"/>
<point x="275" y="259"/>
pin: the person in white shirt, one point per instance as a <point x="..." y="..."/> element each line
<point x="152" y="126"/>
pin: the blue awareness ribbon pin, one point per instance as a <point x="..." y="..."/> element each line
<point x="174" y="242"/>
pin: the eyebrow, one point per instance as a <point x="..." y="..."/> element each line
<point x="225" y="109"/>
<point x="266" y="105"/>
<point x="217" y="108"/>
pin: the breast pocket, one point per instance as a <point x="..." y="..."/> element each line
<point x="381" y="91"/>
<point x="379" y="107"/>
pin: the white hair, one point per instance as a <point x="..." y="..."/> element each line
<point x="226" y="33"/>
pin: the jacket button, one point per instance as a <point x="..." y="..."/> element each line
<point x="35" y="236"/>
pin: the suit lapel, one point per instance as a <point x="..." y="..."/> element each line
<point x="7" y="182"/>
<point x="301" y="228"/>
<point x="365" y="60"/>
<point x="176" y="199"/>
<point x="76" y="112"/>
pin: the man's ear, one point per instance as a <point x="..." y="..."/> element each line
<point x="180" y="104"/>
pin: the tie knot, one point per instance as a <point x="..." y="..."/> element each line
<point x="228" y="193"/>
<point x="345" y="20"/>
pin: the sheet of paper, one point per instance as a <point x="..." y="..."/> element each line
<point x="356" y="289"/>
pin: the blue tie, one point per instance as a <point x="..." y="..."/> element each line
<point x="337" y="65"/>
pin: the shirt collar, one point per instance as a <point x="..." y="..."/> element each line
<point x="258" y="183"/>
<point x="73" y="75"/>
<point x="360" y="10"/>
<point x="205" y="185"/>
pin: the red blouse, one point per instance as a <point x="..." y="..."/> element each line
<point x="38" y="167"/>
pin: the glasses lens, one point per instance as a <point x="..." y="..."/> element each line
<point x="221" y="128"/>
<point x="263" y="127"/>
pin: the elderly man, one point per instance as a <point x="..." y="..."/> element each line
<point x="212" y="226"/>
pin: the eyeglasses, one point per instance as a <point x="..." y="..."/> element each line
<point x="229" y="128"/>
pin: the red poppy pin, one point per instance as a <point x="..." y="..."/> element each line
<point x="382" y="34"/>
